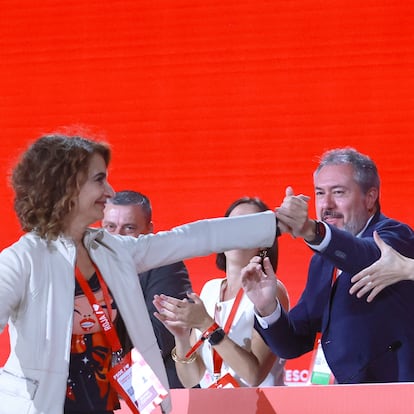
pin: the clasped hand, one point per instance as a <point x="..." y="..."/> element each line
<point x="293" y="214"/>
<point x="181" y="315"/>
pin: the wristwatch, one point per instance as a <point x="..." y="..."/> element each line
<point x="320" y="232"/>
<point x="216" y="337"/>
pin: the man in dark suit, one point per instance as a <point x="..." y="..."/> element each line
<point x="130" y="213"/>
<point x="361" y="341"/>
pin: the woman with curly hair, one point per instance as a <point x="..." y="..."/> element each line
<point x="60" y="355"/>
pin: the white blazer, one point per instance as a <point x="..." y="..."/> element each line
<point x="37" y="298"/>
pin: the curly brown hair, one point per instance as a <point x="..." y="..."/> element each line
<point x="48" y="177"/>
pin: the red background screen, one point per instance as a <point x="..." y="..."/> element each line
<point x="205" y="102"/>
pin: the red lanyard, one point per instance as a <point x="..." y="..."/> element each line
<point x="203" y="337"/>
<point x="334" y="275"/>
<point x="215" y="326"/>
<point x="217" y="359"/>
<point x="104" y="321"/>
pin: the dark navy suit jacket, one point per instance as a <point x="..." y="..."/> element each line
<point x="172" y="280"/>
<point x="362" y="342"/>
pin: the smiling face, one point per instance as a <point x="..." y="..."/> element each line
<point x="339" y="199"/>
<point x="95" y="190"/>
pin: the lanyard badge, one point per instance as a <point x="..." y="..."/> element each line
<point x="137" y="383"/>
<point x="321" y="374"/>
<point x="226" y="381"/>
<point x="130" y="375"/>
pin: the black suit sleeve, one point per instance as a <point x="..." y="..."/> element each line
<point x="171" y="280"/>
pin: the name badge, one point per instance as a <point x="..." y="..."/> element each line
<point x="226" y="381"/>
<point x="137" y="383"/>
<point x="321" y="374"/>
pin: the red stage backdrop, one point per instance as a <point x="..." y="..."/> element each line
<point x="205" y="102"/>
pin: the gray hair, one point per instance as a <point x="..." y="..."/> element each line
<point x="365" y="170"/>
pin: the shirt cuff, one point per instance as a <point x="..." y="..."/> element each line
<point x="265" y="321"/>
<point x="324" y="243"/>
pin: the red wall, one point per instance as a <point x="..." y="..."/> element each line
<point x="204" y="102"/>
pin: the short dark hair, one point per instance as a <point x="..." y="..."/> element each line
<point x="133" y="198"/>
<point x="272" y="252"/>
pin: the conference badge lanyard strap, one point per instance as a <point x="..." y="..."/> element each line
<point x="130" y="375"/>
<point x="227" y="380"/>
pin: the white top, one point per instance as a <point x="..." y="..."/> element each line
<point x="37" y="285"/>
<point x="240" y="332"/>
